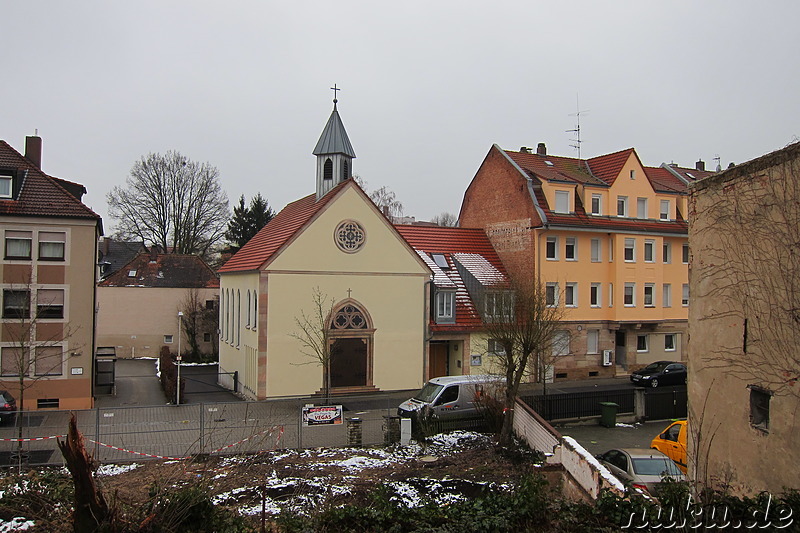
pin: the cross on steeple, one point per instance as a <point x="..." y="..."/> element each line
<point x="335" y="89"/>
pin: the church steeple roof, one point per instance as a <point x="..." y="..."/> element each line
<point x="334" y="138"/>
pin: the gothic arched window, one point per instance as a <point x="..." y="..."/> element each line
<point x="349" y="317"/>
<point x="327" y="171"/>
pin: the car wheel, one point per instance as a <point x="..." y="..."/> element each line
<point x="654" y="383"/>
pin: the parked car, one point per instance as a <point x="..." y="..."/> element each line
<point x="672" y="443"/>
<point x="8" y="407"/>
<point x="641" y="468"/>
<point x="660" y="373"/>
<point x="450" y="396"/>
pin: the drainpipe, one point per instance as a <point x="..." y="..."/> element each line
<point x="426" y="292"/>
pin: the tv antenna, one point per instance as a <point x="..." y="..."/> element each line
<point x="719" y="161"/>
<point x="577" y="129"/>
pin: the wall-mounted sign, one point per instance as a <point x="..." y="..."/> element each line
<point x="322" y="414"/>
<point x="477" y="360"/>
<point x="77" y="371"/>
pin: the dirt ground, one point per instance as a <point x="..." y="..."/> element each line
<point x="452" y="467"/>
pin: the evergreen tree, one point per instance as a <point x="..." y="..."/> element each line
<point x="248" y="220"/>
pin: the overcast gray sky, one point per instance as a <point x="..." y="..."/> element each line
<point x="427" y="87"/>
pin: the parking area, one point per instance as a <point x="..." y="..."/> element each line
<point x="598" y="439"/>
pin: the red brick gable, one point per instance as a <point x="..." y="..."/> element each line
<point x="40" y="194"/>
<point x="278" y="232"/>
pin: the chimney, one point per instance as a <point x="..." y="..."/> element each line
<point x="700" y="165"/>
<point x="541" y="149"/>
<point x="33" y="150"/>
<point x="524" y="150"/>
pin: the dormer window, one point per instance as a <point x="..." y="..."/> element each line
<point x="445" y="307"/>
<point x="5" y="186"/>
<point x="562" y="201"/>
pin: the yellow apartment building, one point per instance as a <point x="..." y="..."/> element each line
<point x="608" y="237"/>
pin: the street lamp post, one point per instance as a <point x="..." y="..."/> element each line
<point x="180" y="331"/>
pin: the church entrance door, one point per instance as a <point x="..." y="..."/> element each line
<point x="349" y="362"/>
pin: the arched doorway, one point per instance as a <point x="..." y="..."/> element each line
<point x="351" y="334"/>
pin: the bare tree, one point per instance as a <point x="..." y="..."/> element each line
<point x="198" y="320"/>
<point x="523" y="327"/>
<point x="313" y="332"/>
<point x="34" y="352"/>
<point x="384" y="198"/>
<point x="446" y="219"/>
<point x="172" y="202"/>
<point x="746" y="272"/>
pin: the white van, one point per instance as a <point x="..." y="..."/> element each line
<point x="451" y="396"/>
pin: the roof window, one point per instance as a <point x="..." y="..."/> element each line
<point x="131" y="273"/>
<point x="440" y="261"/>
<point x="548" y="163"/>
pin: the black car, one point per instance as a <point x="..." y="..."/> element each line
<point x="8" y="406"/>
<point x="660" y="373"/>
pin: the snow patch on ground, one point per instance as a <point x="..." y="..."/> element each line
<point x="16" y="524"/>
<point x="622" y="425"/>
<point x="113" y="470"/>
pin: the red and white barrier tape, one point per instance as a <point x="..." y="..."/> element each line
<point x="136" y="453"/>
<point x="33" y="439"/>
<point x="270" y="430"/>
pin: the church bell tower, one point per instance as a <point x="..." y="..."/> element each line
<point x="334" y="153"/>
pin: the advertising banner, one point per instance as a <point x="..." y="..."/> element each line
<point x="322" y="414"/>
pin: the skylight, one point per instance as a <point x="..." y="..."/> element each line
<point x="440" y="261"/>
<point x="131" y="273"/>
<point x="549" y="163"/>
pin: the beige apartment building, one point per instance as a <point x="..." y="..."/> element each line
<point x="744" y="367"/>
<point x="608" y="238"/>
<point x="48" y="280"/>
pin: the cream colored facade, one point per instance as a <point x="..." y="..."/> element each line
<point x="744" y="394"/>
<point x="138" y="321"/>
<point x="68" y="385"/>
<point x="384" y="279"/>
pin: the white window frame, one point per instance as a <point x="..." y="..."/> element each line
<point x="598" y="199"/>
<point x="633" y="174"/>
<point x="641" y="208"/>
<point x="571" y="242"/>
<point x="685" y="253"/>
<point x="593" y="341"/>
<point x="554" y="286"/>
<point x="561" y="340"/>
<point x="685" y="295"/>
<point x="666" y="252"/>
<point x="649" y="251"/>
<point x="571" y="294"/>
<point x="674" y="338"/>
<point x="646" y="338"/>
<point x="445" y="304"/>
<point x="651" y="289"/>
<point x="611" y="249"/>
<point x="562" y="202"/>
<point x="630" y="244"/>
<point x="611" y="295"/>
<point x="629" y="290"/>
<point x="666" y="208"/>
<point x="622" y="202"/>
<point x="597" y="251"/>
<point x="596" y="295"/>
<point x="168" y="339"/>
<point x="552" y="239"/>
<point x="666" y="295"/>
<point x="10" y="181"/>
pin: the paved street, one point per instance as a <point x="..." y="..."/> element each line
<point x="598" y="439"/>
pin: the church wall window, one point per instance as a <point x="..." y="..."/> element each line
<point x="327" y="171"/>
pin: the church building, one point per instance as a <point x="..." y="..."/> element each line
<point x="335" y="245"/>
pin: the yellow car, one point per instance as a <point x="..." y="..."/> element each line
<point x="672" y="443"/>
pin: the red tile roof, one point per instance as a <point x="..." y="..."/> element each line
<point x="41" y="195"/>
<point x="278" y="232"/>
<point x="607" y="167"/>
<point x="469" y="246"/>
<point x="554" y="168"/>
<point x="663" y="180"/>
<point x="164" y="271"/>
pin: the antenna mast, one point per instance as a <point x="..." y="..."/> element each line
<point x="577" y="130"/>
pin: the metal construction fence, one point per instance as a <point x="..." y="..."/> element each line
<point x="123" y="434"/>
<point x="660" y="403"/>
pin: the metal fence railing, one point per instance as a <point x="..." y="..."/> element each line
<point x="122" y="434"/>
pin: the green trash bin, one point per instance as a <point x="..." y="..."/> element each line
<point x="608" y="414"/>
